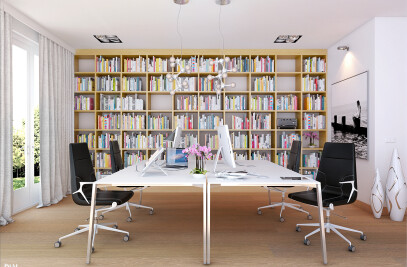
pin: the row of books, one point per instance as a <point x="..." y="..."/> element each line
<point x="87" y="138"/>
<point x="131" y="158"/>
<point x="107" y="64"/>
<point x="314" y="121"/>
<point x="84" y="84"/>
<point x="162" y="84"/>
<point x="241" y="64"/>
<point x="184" y="121"/>
<point x="287" y="139"/>
<point x="158" y="122"/>
<point x="134" y="141"/>
<point x="238" y="102"/>
<point x="264" y="84"/>
<point x="109" y="121"/>
<point x="314" y="102"/>
<point x="312" y="173"/>
<point x="134" y="64"/>
<point x="282" y="158"/>
<point x="188" y="140"/>
<point x="205" y="66"/>
<point x="262" y="64"/>
<point x="311" y="160"/>
<point x="313" y="83"/>
<point x="262" y="103"/>
<point x="104" y="140"/>
<point x="239" y="123"/>
<point x="156" y="64"/>
<point x="102" y="173"/>
<point x="132" y="84"/>
<point x="210" y="102"/>
<point x="109" y="102"/>
<point x="187" y="102"/>
<point x="261" y="141"/>
<point x="287" y="102"/>
<point x="84" y="103"/>
<point x="261" y="121"/>
<point x="191" y="62"/>
<point x="240" y="156"/>
<point x="314" y="64"/>
<point x="212" y="141"/>
<point x="103" y="160"/>
<point x="205" y="85"/>
<point x="239" y="140"/>
<point x="210" y="122"/>
<point x="132" y="121"/>
<point x="131" y="102"/>
<point x="108" y="84"/>
<point x="257" y="155"/>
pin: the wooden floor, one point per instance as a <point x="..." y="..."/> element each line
<point x="173" y="235"/>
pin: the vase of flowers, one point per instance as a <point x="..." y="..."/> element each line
<point x="201" y="154"/>
<point x="312" y="136"/>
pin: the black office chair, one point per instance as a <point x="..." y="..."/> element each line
<point x="337" y="175"/>
<point x="117" y="165"/>
<point x="294" y="165"/>
<point x="82" y="171"/>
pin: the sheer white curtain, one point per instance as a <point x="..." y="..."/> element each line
<point x="56" y="119"/>
<point x="6" y="121"/>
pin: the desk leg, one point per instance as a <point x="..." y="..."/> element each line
<point x="91" y="222"/>
<point x="208" y="225"/>
<point x="322" y="224"/>
<point x="204" y="222"/>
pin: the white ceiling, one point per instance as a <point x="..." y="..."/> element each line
<point x="247" y="24"/>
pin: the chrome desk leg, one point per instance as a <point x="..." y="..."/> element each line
<point x="321" y="223"/>
<point x="208" y="225"/>
<point x="91" y="222"/>
<point x="204" y="222"/>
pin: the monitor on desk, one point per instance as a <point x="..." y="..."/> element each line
<point x="174" y="138"/>
<point x="225" y="147"/>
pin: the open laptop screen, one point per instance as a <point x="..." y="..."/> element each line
<point x="176" y="158"/>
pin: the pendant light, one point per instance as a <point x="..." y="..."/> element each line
<point x="222" y="71"/>
<point x="179" y="84"/>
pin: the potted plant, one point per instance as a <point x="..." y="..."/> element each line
<point x="201" y="154"/>
<point x="312" y="136"/>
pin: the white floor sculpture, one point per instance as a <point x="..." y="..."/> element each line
<point x="377" y="196"/>
<point x="396" y="189"/>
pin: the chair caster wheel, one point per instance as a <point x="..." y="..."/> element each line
<point x="77" y="229"/>
<point x="101" y="217"/>
<point x="307" y="242"/>
<point x="363" y="237"/>
<point x="115" y="226"/>
<point x="93" y="249"/>
<point x="259" y="212"/>
<point x="298" y="229"/>
<point x="57" y="244"/>
<point x="309" y="217"/>
<point x="126" y="238"/>
<point x="352" y="248"/>
<point x="129" y="219"/>
<point x="282" y="219"/>
<point x="151" y="212"/>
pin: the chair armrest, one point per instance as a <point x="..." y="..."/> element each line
<point x="349" y="182"/>
<point x="80" y="190"/>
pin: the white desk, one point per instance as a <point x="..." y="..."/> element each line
<point x="271" y="171"/>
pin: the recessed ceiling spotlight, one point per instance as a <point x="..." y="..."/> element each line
<point x="343" y="47"/>
<point x="108" y="38"/>
<point x="283" y="39"/>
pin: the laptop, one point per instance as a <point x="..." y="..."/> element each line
<point x="175" y="158"/>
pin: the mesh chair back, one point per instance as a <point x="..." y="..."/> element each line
<point x="295" y="156"/>
<point x="116" y="157"/>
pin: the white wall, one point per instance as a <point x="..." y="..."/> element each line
<point x="379" y="46"/>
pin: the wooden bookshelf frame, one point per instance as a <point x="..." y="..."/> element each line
<point x="295" y="56"/>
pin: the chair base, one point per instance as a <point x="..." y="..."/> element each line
<point x="85" y="228"/>
<point x="127" y="205"/>
<point x="328" y="228"/>
<point x="282" y="204"/>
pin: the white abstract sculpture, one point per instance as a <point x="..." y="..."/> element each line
<point x="396" y="190"/>
<point x="377" y="196"/>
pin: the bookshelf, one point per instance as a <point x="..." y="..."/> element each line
<point x="285" y="76"/>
